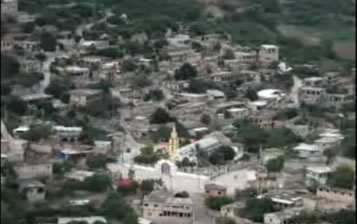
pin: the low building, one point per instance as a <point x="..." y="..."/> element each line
<point x="215" y="190"/>
<point x="231" y="210"/>
<point x="79" y="175"/>
<point x="88" y="220"/>
<point x="268" y="54"/>
<point x="307" y="151"/>
<point x="311" y="95"/>
<point x="33" y="171"/>
<point x="284" y="199"/>
<point x="83" y="97"/>
<point x="9" y="8"/>
<point x="7" y="44"/>
<point x="282" y="217"/>
<point x="29" y="66"/>
<point x="33" y="191"/>
<point x="335" y="194"/>
<point x="131" y="94"/>
<point x="77" y="71"/>
<point x="216" y="95"/>
<point x="313" y="203"/>
<point x="317" y="174"/>
<point x="67" y="134"/>
<point x="161" y="207"/>
<point x="76" y="157"/>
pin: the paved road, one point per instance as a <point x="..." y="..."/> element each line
<point x="202" y="215"/>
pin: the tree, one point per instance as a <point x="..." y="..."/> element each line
<point x="62" y="167"/>
<point x="154" y="95"/>
<point x="275" y="165"/>
<point x="216" y="203"/>
<point x="251" y="94"/>
<point x="96" y="161"/>
<point x="48" y="42"/>
<point x="217" y="158"/>
<point x="228" y="54"/>
<point x="112" y="52"/>
<point x="251" y="136"/>
<point x="98" y="183"/>
<point x="343" y="177"/>
<point x="14" y="104"/>
<point x="160" y="116"/>
<point x="206" y="119"/>
<point x="9" y="66"/>
<point x="147" y="186"/>
<point x="38" y="132"/>
<point x="116" y="207"/>
<point x="228" y="152"/>
<point x="186" y="71"/>
<point x="256" y="208"/>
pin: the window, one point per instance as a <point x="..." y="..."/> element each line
<point x="146" y="205"/>
<point x="155" y="205"/>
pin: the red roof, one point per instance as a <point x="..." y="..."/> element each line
<point x="124" y="182"/>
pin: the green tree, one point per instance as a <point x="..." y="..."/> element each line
<point x="48" y="42"/>
<point x="206" y="119"/>
<point x="216" y="203"/>
<point x="62" y="167"/>
<point x="154" y="95"/>
<point x="147" y="186"/>
<point x="98" y="183"/>
<point x="228" y="54"/>
<point x="342" y="177"/>
<point x="217" y="158"/>
<point x="186" y="71"/>
<point x="9" y="66"/>
<point x="14" y="104"/>
<point x="275" y="165"/>
<point x="256" y="208"/>
<point x="38" y="132"/>
<point x="160" y="116"/>
<point x="251" y="95"/>
<point x="96" y="161"/>
<point x="251" y="136"/>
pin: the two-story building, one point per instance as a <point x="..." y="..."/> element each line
<point x="83" y="97"/>
<point x="317" y="174"/>
<point x="161" y="207"/>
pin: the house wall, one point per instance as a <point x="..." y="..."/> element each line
<point x="163" y="213"/>
<point x="336" y="195"/>
<point x="34" y="171"/>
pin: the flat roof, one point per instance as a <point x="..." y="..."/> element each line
<point x="86" y="92"/>
<point x="259" y="103"/>
<point x="89" y="219"/>
<point x="307" y="147"/>
<point x="320" y="169"/>
<point x="270" y="93"/>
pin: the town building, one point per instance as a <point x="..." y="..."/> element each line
<point x="84" y="97"/>
<point x="335" y="194"/>
<point x="317" y="174"/>
<point x="282" y="217"/>
<point x="31" y="66"/>
<point x="9" y="8"/>
<point x="268" y="54"/>
<point x="215" y="190"/>
<point x="33" y="171"/>
<point x="67" y="134"/>
<point x="34" y="191"/>
<point x="308" y="151"/>
<point x="283" y="199"/>
<point x="161" y="207"/>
